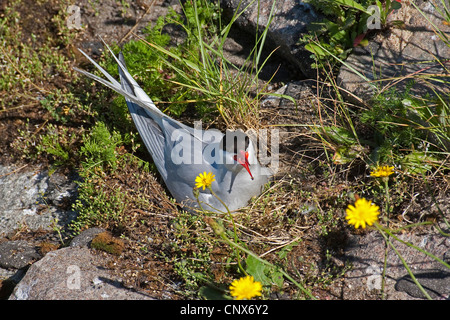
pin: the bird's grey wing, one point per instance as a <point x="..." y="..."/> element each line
<point x="148" y="129"/>
<point x="151" y="134"/>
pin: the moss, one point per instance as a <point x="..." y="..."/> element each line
<point x="45" y="247"/>
<point x="106" y="242"/>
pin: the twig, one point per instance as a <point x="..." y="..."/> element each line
<point x="279" y="247"/>
<point x="14" y="171"/>
<point x="137" y="22"/>
<point x="20" y="72"/>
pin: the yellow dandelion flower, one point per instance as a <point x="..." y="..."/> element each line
<point x="204" y="180"/>
<point x="245" y="288"/>
<point x="362" y="213"/>
<point x="384" y="171"/>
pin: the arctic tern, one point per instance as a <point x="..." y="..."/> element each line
<point x="181" y="153"/>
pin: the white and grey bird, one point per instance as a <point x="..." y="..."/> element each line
<point x="181" y="153"/>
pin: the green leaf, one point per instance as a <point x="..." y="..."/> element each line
<point x="396" y="5"/>
<point x="351" y="4"/>
<point x="364" y="43"/>
<point x="418" y="162"/>
<point x="267" y="275"/>
<point x="340" y="135"/>
<point x="210" y="293"/>
<point x="257" y="270"/>
<point x="313" y="48"/>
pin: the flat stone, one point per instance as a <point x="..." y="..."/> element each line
<point x="366" y="255"/>
<point x="290" y="21"/>
<point x="84" y="239"/>
<point x="72" y="274"/>
<point x="34" y="198"/>
<point x="435" y="282"/>
<point x="400" y="52"/>
<point x="17" y="254"/>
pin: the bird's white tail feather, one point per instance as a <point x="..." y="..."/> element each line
<point x="138" y="92"/>
<point x="138" y="96"/>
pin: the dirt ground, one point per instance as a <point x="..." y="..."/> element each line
<point x="320" y="255"/>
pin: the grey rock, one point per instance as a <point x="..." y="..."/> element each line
<point x="84" y="238"/>
<point x="61" y="189"/>
<point x="72" y="274"/>
<point x="17" y="254"/>
<point x="8" y="282"/>
<point x="34" y="198"/>
<point x="290" y="21"/>
<point x="435" y="282"/>
<point x="6" y="273"/>
<point x="366" y="255"/>
<point x="298" y="90"/>
<point x="107" y="19"/>
<point x="398" y="53"/>
<point x="274" y="101"/>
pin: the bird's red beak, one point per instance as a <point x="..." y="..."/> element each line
<point x="242" y="159"/>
